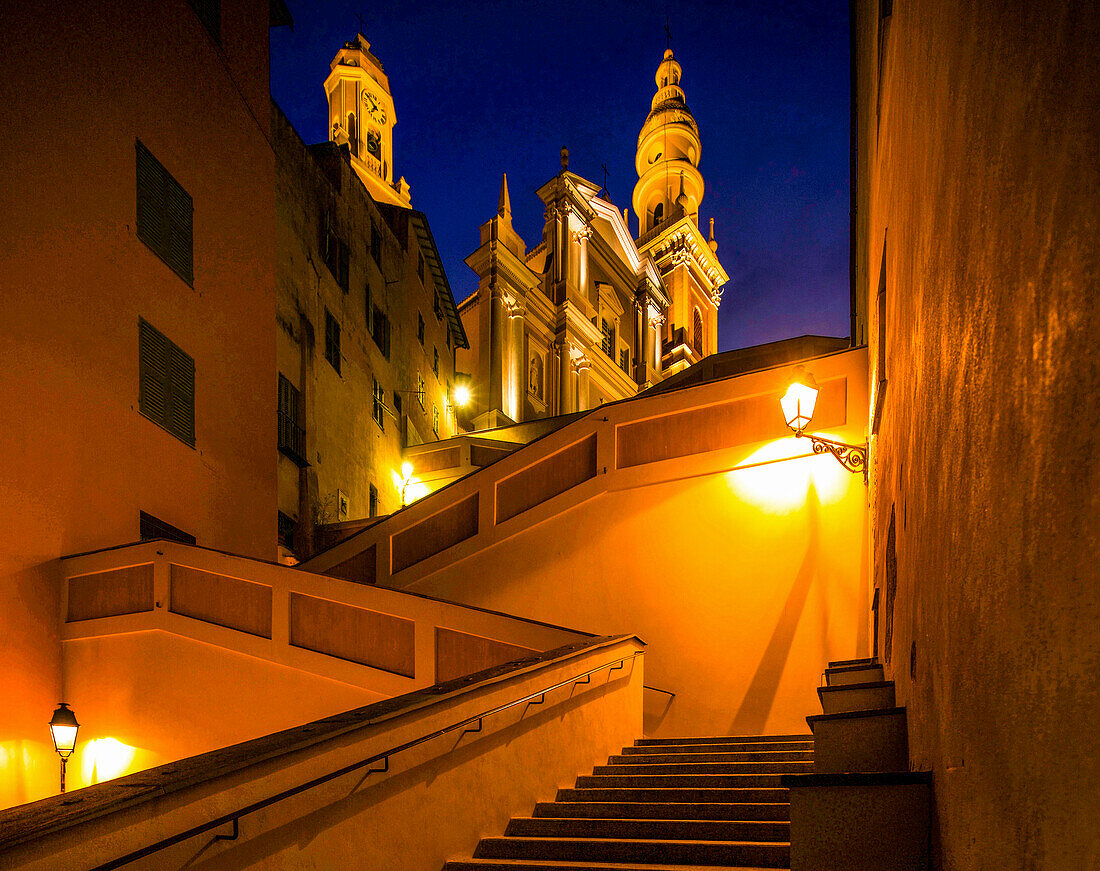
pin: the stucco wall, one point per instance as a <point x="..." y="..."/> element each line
<point x="978" y="176"/>
<point x="78" y="87"/>
<point x="692" y="518"/>
<point x="346" y="448"/>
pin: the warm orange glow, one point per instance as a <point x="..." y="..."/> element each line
<point x="777" y="477"/>
<point x="409" y="487"/>
<point x="461" y="395"/>
<point x="799" y="401"/>
<point x="105" y="759"/>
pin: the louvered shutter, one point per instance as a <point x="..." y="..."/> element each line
<point x="181" y="420"/>
<point x="166" y="392"/>
<point x="153" y="371"/>
<point x="151" y="209"/>
<point x="165" y="215"/>
<point x="179" y="244"/>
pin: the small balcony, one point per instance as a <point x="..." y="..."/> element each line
<point x="292" y="440"/>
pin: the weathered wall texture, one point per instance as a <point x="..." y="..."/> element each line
<point x="978" y="218"/>
<point x="76" y="92"/>
<point x="347" y="449"/>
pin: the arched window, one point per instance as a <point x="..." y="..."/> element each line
<point x="658" y="213"/>
<point x="697" y="331"/>
<point x="353" y="134"/>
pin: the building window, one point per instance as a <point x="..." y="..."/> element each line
<point x="397" y="402"/>
<point x="419" y="388"/>
<point x="381" y="332"/>
<point x="420" y="328"/>
<point x="210" y="14"/>
<point x="379" y="412"/>
<point x="376" y="244"/>
<point x="435" y="361"/>
<point x="658" y="213"/>
<point x="608" y="343"/>
<point x="332" y="340"/>
<point x="335" y="253"/>
<point x="437" y="307"/>
<point x="372" y="506"/>
<point x="420" y="266"/>
<point x="166" y="375"/>
<point x="150" y="528"/>
<point x="165" y="215"/>
<point x="435" y="419"/>
<point x="292" y="437"/>
<point x="697" y="331"/>
<point x="368" y="307"/>
<point x="286" y="531"/>
<point x="624" y="360"/>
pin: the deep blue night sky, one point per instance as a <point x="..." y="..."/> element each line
<point x="483" y="88"/>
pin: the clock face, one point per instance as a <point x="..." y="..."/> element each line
<point x="373" y="107"/>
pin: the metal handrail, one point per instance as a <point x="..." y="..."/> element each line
<point x="384" y="757"/>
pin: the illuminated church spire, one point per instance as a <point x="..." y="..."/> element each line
<point x="667" y="159"/>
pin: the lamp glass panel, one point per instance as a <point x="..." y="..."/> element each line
<point x="64" y="738"/>
<point x="798" y="405"/>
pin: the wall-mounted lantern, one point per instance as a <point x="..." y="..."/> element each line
<point x="798" y="410"/>
<point x="63" y="727"/>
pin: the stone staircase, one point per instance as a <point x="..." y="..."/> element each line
<point x="665" y="803"/>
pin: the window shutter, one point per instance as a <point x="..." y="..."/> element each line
<point x="181" y="421"/>
<point x="166" y="388"/>
<point x="180" y="222"/>
<point x="165" y="215"/>
<point x="153" y="365"/>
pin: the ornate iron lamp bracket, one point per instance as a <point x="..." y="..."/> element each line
<point x="851" y="457"/>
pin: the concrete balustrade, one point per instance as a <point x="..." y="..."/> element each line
<point x="457" y="786"/>
<point x="171" y="650"/>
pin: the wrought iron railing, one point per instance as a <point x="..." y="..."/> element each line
<point x="292" y="439"/>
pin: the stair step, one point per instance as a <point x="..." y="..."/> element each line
<point x="729" y="853"/>
<point x="644" y="758"/>
<point x="873" y="695"/>
<point x="525" y="865"/>
<point x="805" y="744"/>
<point x="710" y="795"/>
<point x="723" y="739"/>
<point x="867" y="660"/>
<point x="735" y="768"/>
<point x="845" y="675"/>
<point x="659" y="781"/>
<point x="642" y="810"/>
<point x="659" y="830"/>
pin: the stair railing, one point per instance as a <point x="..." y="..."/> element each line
<point x="234" y="817"/>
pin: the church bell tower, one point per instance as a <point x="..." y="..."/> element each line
<point x="667" y="159"/>
<point x="666" y="201"/>
<point x="361" y="115"/>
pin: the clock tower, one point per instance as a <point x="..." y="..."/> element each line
<point x="361" y="115"/>
<point x="666" y="201"/>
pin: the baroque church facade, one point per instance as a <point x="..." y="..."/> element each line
<point x="595" y="313"/>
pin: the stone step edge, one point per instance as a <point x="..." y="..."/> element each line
<point x="855" y="715"/>
<point x="866" y="660"/>
<point x="583" y="865"/>
<point x="858" y="778"/>
<point x="869" y="685"/>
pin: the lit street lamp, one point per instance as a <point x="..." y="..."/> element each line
<point x="798" y="410"/>
<point x="63" y="727"/>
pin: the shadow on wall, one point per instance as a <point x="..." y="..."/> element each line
<point x="757" y="703"/>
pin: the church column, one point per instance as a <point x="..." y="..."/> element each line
<point x="658" y="321"/>
<point x="579" y="272"/>
<point x="583" y="366"/>
<point x="564" y="375"/>
<point x="641" y="334"/>
<point x="515" y="361"/>
<point x="498" y="347"/>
